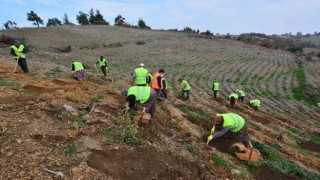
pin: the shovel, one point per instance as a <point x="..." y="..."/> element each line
<point x="15" y="68"/>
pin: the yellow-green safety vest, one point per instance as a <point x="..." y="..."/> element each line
<point x="18" y="51"/>
<point x="241" y="93"/>
<point x="142" y="93"/>
<point x="166" y="82"/>
<point x="216" y="86"/>
<point x="77" y="66"/>
<point x="102" y="62"/>
<point x="185" y="85"/>
<point x="234" y="120"/>
<point x="141" y="76"/>
<point x="233" y="95"/>
<point x="255" y="102"/>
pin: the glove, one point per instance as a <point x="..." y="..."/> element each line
<point x="95" y="65"/>
<point x="106" y="68"/>
<point x="72" y="72"/>
<point x="212" y="130"/>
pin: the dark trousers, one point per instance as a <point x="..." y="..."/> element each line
<point x="183" y="92"/>
<point x="103" y="69"/>
<point x="159" y="93"/>
<point x="22" y="62"/>
<point x="164" y="93"/>
<point x="241" y="98"/>
<point x="215" y="92"/>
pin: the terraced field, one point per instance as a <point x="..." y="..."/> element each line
<point x="273" y="76"/>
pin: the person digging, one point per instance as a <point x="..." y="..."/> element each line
<point x="18" y="51"/>
<point x="233" y="99"/>
<point x="254" y="104"/>
<point x="233" y="127"/>
<point x="140" y="97"/>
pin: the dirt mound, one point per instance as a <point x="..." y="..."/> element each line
<point x="267" y="173"/>
<point x="222" y="144"/>
<point x="36" y="88"/>
<point x="309" y="145"/>
<point x="142" y="163"/>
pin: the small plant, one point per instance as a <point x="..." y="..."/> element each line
<point x="3" y="81"/>
<point x="95" y="98"/>
<point x="126" y="131"/>
<point x="72" y="99"/>
<point x="187" y="144"/>
<point x="220" y="161"/>
<point x="70" y="150"/>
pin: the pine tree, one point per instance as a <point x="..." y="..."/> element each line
<point x="53" y="22"/>
<point x="32" y="16"/>
<point x="82" y="18"/>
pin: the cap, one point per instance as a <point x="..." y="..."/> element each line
<point x="141" y="65"/>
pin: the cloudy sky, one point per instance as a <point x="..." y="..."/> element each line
<point x="218" y="16"/>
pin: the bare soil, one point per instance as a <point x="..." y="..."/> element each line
<point x="267" y="173"/>
<point x="310" y="146"/>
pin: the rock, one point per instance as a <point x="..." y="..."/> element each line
<point x="19" y="141"/>
<point x="318" y="104"/>
<point x="30" y="103"/>
<point x="70" y="110"/>
<point x="235" y="172"/>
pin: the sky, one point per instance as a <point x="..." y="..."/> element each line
<point x="218" y="16"/>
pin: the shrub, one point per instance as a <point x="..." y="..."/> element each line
<point x="8" y="40"/>
<point x="295" y="49"/>
<point x="267" y="44"/>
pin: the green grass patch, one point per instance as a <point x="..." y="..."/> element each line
<point x="70" y="150"/>
<point x="72" y="99"/>
<point x="199" y="113"/>
<point x="254" y="126"/>
<point x="95" y="98"/>
<point x="220" y="161"/>
<point x="187" y="144"/>
<point x="296" y="131"/>
<point x="126" y="131"/>
<point x="270" y="158"/>
<point x="4" y="81"/>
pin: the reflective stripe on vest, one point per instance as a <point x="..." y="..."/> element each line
<point x="102" y="62"/>
<point x="185" y="85"/>
<point x="216" y="86"/>
<point x="155" y="84"/>
<point x="18" y="51"/>
<point x="234" y="120"/>
<point x="78" y="66"/>
<point x="255" y="102"/>
<point x="141" y="76"/>
<point x="164" y="81"/>
<point x="142" y="93"/>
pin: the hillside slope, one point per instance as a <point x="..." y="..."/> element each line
<point x="40" y="131"/>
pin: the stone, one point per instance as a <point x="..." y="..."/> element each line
<point x="235" y="172"/>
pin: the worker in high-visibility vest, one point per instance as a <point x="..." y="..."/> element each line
<point x="255" y="104"/>
<point x="185" y="89"/>
<point x="215" y="88"/>
<point x="241" y="95"/>
<point x="157" y="83"/>
<point x="233" y="99"/>
<point x="140" y="76"/>
<point x="18" y="51"/>
<point x="140" y="97"/>
<point x="233" y="126"/>
<point x="103" y="65"/>
<point x="78" y="70"/>
<point x="149" y="80"/>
